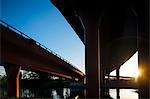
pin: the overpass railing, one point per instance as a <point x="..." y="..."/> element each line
<point x="39" y="44"/>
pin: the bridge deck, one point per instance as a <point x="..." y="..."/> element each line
<point x="24" y="51"/>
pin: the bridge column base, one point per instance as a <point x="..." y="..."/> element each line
<point x="13" y="73"/>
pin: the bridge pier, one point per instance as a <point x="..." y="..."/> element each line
<point x="144" y="50"/>
<point x="95" y="71"/>
<point x="92" y="58"/>
<point x="144" y="66"/>
<point x="13" y="81"/>
<point x="118" y="93"/>
<point x="103" y="86"/>
<point x="118" y="77"/>
<point x="118" y="73"/>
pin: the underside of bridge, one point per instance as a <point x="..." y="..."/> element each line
<point x="112" y="31"/>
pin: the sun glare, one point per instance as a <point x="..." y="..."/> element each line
<point x="137" y="74"/>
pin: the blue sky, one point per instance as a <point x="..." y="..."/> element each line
<point x="43" y="22"/>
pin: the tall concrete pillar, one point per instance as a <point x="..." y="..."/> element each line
<point x="92" y="59"/>
<point x="144" y="50"/>
<point x="13" y="88"/>
<point x="144" y="65"/>
<point x="103" y="31"/>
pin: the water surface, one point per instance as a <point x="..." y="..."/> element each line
<point x="124" y="93"/>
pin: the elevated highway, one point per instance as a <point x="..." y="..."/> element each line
<point x="31" y="55"/>
<point x="19" y="51"/>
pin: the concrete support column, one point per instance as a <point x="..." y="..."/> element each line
<point x="144" y="65"/>
<point x="118" y="73"/>
<point x="118" y="77"/>
<point x="92" y="59"/>
<point x="13" y="88"/>
<point x="107" y="86"/>
<point x="144" y="50"/>
<point x="103" y="89"/>
<point x="118" y="93"/>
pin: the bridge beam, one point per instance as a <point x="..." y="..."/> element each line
<point x="13" y="85"/>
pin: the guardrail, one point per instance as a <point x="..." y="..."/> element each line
<point x="39" y="44"/>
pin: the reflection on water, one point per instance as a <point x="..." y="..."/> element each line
<point x="114" y="93"/>
<point x="124" y="93"/>
<point x="68" y="93"/>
